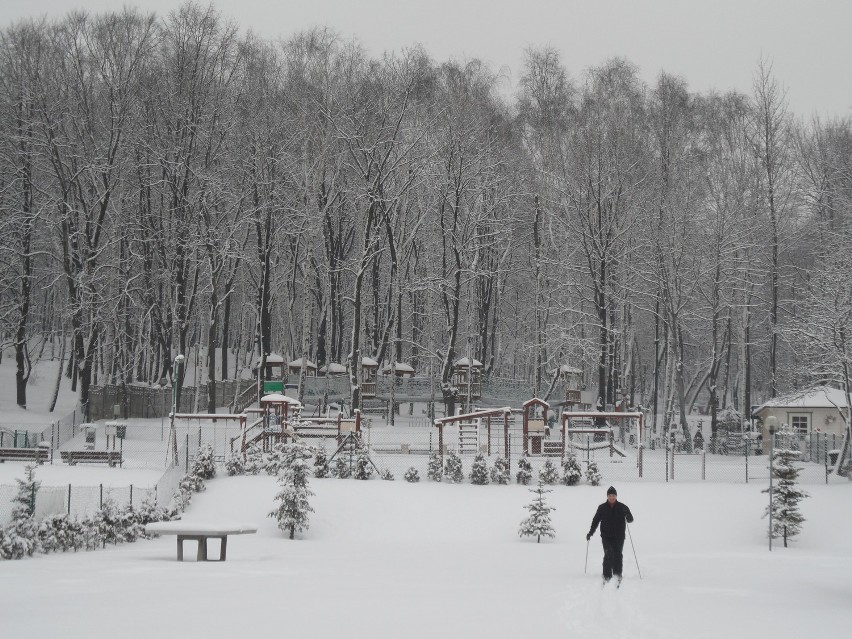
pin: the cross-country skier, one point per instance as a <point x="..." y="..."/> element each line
<point x="611" y="515"/>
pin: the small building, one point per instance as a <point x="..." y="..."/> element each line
<point x="467" y="376"/>
<point x="295" y="367"/>
<point x="333" y="369"/>
<point x="273" y="367"/>
<point x="816" y="410"/>
<point x="369" y="372"/>
<point x="401" y="369"/>
<point x="572" y="379"/>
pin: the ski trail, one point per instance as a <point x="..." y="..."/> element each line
<point x="615" y="613"/>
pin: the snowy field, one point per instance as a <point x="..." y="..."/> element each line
<point x="392" y="559"/>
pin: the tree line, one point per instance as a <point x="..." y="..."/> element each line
<point x="170" y="183"/>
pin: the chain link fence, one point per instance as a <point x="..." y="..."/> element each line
<point x="83" y="501"/>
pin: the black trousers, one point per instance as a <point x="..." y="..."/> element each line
<point x="613" y="559"/>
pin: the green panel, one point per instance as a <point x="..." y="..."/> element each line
<point x="273" y="387"/>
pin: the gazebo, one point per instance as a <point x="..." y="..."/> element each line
<point x="466" y="378"/>
<point x="333" y="369"/>
<point x="273" y="367"/>
<point x="295" y="367"/>
<point x="369" y="370"/>
<point x="401" y="369"/>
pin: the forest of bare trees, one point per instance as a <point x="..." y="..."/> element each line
<point x="170" y="183"/>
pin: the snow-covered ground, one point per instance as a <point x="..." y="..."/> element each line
<point x="392" y="559"/>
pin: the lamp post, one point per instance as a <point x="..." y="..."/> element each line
<point x="772" y="424"/>
<point x="172" y="434"/>
<point x="163" y="382"/>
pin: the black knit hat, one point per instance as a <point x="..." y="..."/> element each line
<point x="611" y="491"/>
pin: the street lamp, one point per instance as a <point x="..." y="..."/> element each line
<point x="175" y="377"/>
<point x="163" y="382"/>
<point x="771" y="424"/>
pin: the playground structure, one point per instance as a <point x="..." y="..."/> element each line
<point x="280" y="421"/>
<point x="537" y="438"/>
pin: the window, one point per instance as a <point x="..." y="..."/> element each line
<point x="800" y="424"/>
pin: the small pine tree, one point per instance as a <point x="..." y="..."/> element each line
<point x="538" y="523"/>
<point x="593" y="475"/>
<point x="292" y="514"/>
<point x="23" y="533"/>
<point x="524" y="474"/>
<point x="501" y="472"/>
<point x="341" y="468"/>
<point x="387" y="475"/>
<point x="363" y="466"/>
<point x="453" y="469"/>
<point x="321" y="463"/>
<point x="787" y="520"/>
<point x="412" y="476"/>
<point x="479" y="471"/>
<point x="548" y="473"/>
<point x="234" y="465"/>
<point x="255" y="460"/>
<point x="435" y="469"/>
<point x="571" y="471"/>
<point x="204" y="465"/>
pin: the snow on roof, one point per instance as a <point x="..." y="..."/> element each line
<point x="401" y="367"/>
<point x="274" y="358"/>
<point x="278" y="398"/>
<point x="368" y="361"/>
<point x="819" y="397"/>
<point x="536" y="400"/>
<point x="297" y="363"/>
<point x="333" y="368"/>
<point x="464" y="361"/>
<point x="568" y="369"/>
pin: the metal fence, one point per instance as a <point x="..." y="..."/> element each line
<point x="83" y="501"/>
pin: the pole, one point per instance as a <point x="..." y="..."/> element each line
<point x="771" y="422"/>
<point x="586" y="567"/>
<point x="634" y="550"/>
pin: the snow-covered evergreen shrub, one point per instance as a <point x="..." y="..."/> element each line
<point x="321" y="463"/>
<point x="22" y="534"/>
<point x="255" y="460"/>
<point x="572" y="473"/>
<point x="524" y="474"/>
<point x="234" y="465"/>
<point x="453" y="469"/>
<point x="593" y="475"/>
<point x="501" y="473"/>
<point x="479" y="470"/>
<point x="787" y="519"/>
<point x="204" y="465"/>
<point x="341" y="468"/>
<point x="538" y="523"/>
<point x="548" y="473"/>
<point x="292" y="514"/>
<point x="59" y="533"/>
<point x="435" y="469"/>
<point x="387" y="475"/>
<point x="117" y="525"/>
<point x="363" y="466"/>
<point x="412" y="476"/>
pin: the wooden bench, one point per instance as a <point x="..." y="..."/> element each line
<point x="201" y="533"/>
<point x="38" y="455"/>
<point x="72" y="457"/>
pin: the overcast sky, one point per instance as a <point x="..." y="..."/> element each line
<point x="713" y="44"/>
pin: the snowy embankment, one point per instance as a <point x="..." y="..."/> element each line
<point x="391" y="559"/>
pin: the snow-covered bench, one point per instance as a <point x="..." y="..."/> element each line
<point x="199" y="532"/>
<point x="74" y="457"/>
<point x="38" y="455"/>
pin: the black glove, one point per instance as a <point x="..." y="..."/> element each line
<point x="588" y="537"/>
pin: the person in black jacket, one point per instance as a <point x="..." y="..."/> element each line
<point x="611" y="515"/>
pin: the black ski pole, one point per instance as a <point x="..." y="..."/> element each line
<point x="634" y="550"/>
<point x="587" y="557"/>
